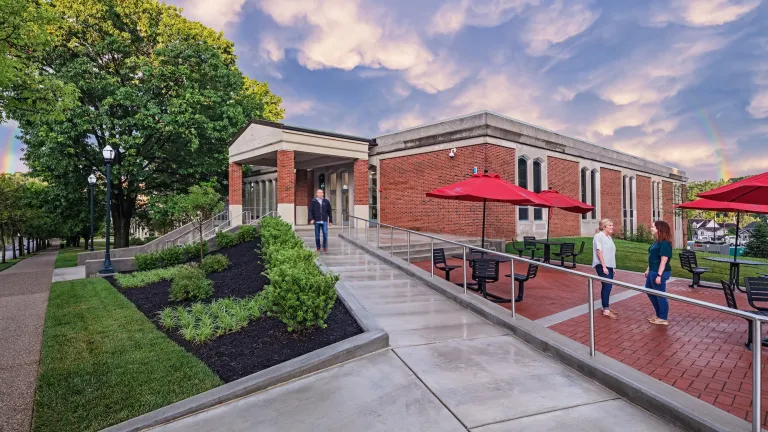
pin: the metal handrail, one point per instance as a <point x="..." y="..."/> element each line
<point x="193" y="227"/>
<point x="756" y="320"/>
<point x="228" y="223"/>
<point x="269" y="213"/>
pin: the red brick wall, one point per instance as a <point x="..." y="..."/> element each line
<point x="404" y="182"/>
<point x="610" y="198"/>
<point x="286" y="178"/>
<point x="235" y="184"/>
<point x="563" y="176"/>
<point x="668" y="210"/>
<point x="644" y="205"/>
<point x="310" y="185"/>
<point x="685" y="214"/>
<point x="302" y="188"/>
<point x="361" y="182"/>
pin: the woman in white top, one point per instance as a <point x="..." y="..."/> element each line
<point x="604" y="262"/>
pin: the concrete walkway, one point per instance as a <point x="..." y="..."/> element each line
<point x="24" y="292"/>
<point x="447" y="370"/>
<point x="68" y="273"/>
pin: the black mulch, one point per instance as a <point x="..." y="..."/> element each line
<point x="264" y="342"/>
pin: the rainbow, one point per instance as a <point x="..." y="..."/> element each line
<point x="718" y="143"/>
<point x="9" y="150"/>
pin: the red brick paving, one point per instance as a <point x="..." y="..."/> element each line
<point x="701" y="352"/>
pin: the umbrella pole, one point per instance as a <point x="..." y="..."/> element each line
<point x="736" y="247"/>
<point x="549" y="221"/>
<point x="482" y="241"/>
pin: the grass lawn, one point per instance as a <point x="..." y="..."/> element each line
<point x="104" y="362"/>
<point x="67" y="257"/>
<point x="634" y="257"/>
<point x="10" y="262"/>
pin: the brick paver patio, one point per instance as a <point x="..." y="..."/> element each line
<point x="701" y="352"/>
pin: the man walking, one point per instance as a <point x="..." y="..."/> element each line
<point x="320" y="216"/>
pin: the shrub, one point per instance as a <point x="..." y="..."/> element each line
<point x="214" y="263"/>
<point x="171" y="256"/>
<point x="757" y="246"/>
<point x="300" y="297"/>
<point x="202" y="322"/>
<point x="148" y="261"/>
<point x="225" y="239"/>
<point x="246" y="233"/>
<point x="144" y="278"/>
<point x="190" y="283"/>
<point x="277" y="255"/>
<point x="135" y="241"/>
<point x="148" y="239"/>
<point x="192" y="250"/>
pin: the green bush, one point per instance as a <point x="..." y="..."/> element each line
<point x="225" y="239"/>
<point x="171" y="256"/>
<point x="135" y="241"/>
<point x="757" y="246"/>
<point x="202" y="322"/>
<point x="214" y="263"/>
<point x="294" y="257"/>
<point x="300" y="297"/>
<point x="246" y="233"/>
<point x="190" y="283"/>
<point x="148" y="261"/>
<point x="143" y="278"/>
<point x="192" y="250"/>
<point x="148" y="239"/>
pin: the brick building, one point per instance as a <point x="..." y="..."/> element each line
<point x="386" y="178"/>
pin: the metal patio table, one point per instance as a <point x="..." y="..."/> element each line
<point x="471" y="257"/>
<point x="735" y="268"/>
<point x="547" y="247"/>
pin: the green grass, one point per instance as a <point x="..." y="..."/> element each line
<point x="67" y="257"/>
<point x="634" y="257"/>
<point x="10" y="262"/>
<point x="104" y="362"/>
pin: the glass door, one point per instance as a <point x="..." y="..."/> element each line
<point x="345" y="197"/>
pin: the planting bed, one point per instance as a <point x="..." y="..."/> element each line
<point x="264" y="342"/>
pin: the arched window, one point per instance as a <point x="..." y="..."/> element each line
<point x="538" y="214"/>
<point x="522" y="181"/>
<point x="584" y="189"/>
<point x="593" y="192"/>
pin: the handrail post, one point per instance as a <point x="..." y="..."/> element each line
<point x="432" y="255"/>
<point x="378" y="236"/>
<point x="408" y="242"/>
<point x="512" y="285"/>
<point x="757" y="348"/>
<point x="464" y="267"/>
<point x="391" y="241"/>
<point x="591" y="318"/>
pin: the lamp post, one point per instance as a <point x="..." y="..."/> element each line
<point x="91" y="183"/>
<point x="109" y="154"/>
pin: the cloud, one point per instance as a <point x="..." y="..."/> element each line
<point x="758" y="106"/>
<point x="341" y="34"/>
<point x="557" y="23"/>
<point x="402" y="121"/>
<point x="298" y="107"/>
<point x="701" y="13"/>
<point x="455" y="15"/>
<point x="218" y="14"/>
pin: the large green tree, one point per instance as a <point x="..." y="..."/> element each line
<point x="163" y="92"/>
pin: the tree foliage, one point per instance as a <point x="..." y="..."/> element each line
<point x="758" y="242"/>
<point x="199" y="205"/>
<point x="164" y="92"/>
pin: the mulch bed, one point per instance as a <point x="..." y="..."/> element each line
<point x="264" y="342"/>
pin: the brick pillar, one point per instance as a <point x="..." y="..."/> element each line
<point x="301" y="197"/>
<point x="668" y="208"/>
<point x="236" y="193"/>
<point x="360" y="173"/>
<point x="610" y="198"/>
<point x="286" y="186"/>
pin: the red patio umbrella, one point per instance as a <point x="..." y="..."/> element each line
<point x="751" y="190"/>
<point x="488" y="187"/>
<point x="563" y="202"/>
<point x="726" y="207"/>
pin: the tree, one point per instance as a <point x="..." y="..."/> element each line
<point x="10" y="194"/>
<point x="199" y="205"/>
<point x="164" y="92"/>
<point x="757" y="246"/>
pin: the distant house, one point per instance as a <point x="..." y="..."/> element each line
<point x="707" y="230"/>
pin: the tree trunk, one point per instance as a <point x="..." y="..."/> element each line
<point x="13" y="245"/>
<point x="122" y="212"/>
<point x="86" y="242"/>
<point x="21" y="246"/>
<point x="2" y="243"/>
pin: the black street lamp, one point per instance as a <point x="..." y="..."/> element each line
<point x="109" y="154"/>
<point x="91" y="183"/>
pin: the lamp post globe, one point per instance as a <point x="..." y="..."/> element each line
<point x="91" y="183"/>
<point x="109" y="155"/>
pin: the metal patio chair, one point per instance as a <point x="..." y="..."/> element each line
<point x="689" y="262"/>
<point x="521" y="279"/>
<point x="438" y="255"/>
<point x="568" y="250"/>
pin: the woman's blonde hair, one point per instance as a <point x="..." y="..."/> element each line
<point x="604" y="223"/>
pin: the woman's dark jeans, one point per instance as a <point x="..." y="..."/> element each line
<point x="605" y="293"/>
<point x="660" y="304"/>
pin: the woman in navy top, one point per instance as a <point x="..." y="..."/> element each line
<point x="659" y="271"/>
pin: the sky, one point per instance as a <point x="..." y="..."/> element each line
<point x="679" y="82"/>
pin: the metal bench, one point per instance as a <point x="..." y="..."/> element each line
<point x="485" y="270"/>
<point x="757" y="292"/>
<point x="521" y="279"/>
<point x="689" y="262"/>
<point x="528" y="246"/>
<point x="568" y="250"/>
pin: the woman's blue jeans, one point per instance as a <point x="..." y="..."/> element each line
<point x="605" y="292"/>
<point x="660" y="304"/>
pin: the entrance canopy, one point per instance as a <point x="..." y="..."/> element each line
<point x="258" y="143"/>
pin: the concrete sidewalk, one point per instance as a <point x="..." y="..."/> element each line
<point x="448" y="369"/>
<point x="24" y="292"/>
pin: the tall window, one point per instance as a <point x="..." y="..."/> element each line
<point x="584" y="189"/>
<point x="373" y="192"/>
<point x="537" y="212"/>
<point x="522" y="181"/>
<point x="631" y="204"/>
<point x="321" y="182"/>
<point x="624" y="202"/>
<point x="653" y="201"/>
<point x="593" y="192"/>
